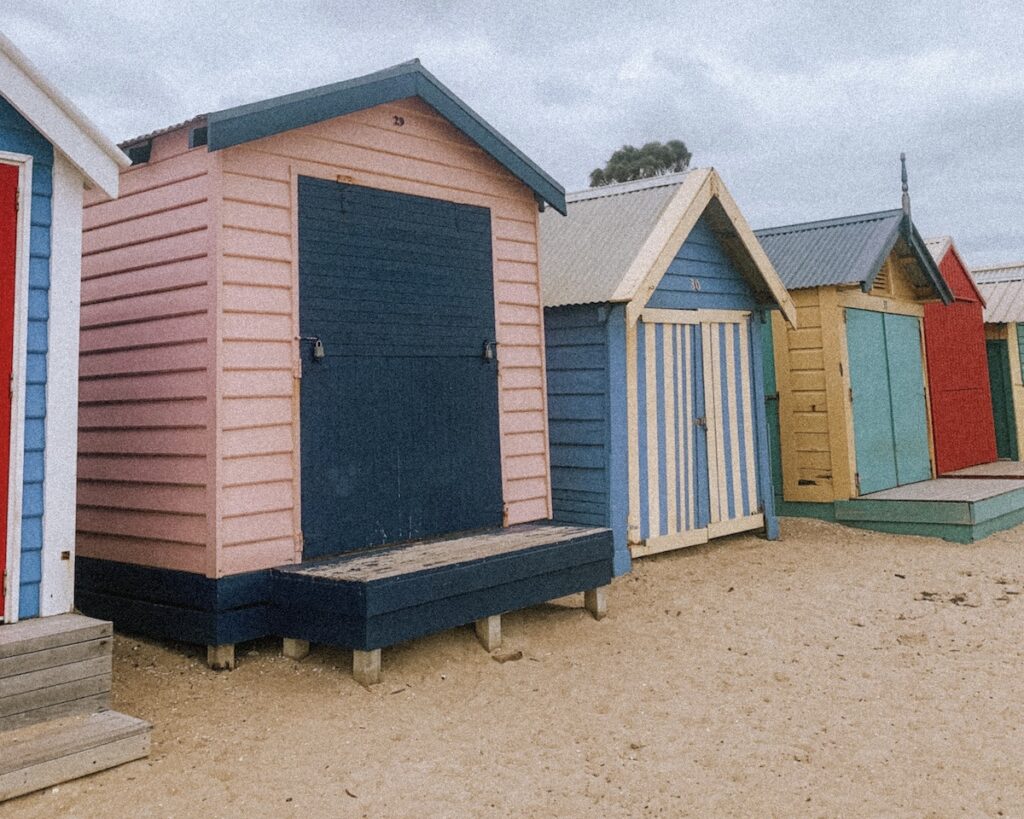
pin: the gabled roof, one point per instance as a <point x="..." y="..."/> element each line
<point x="618" y="239"/>
<point x="848" y="250"/>
<point x="1002" y="286"/>
<point x="58" y="120"/>
<point x="244" y="123"/>
<point x="939" y="246"/>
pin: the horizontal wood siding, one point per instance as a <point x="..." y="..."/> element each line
<point x="145" y="410"/>
<point x="259" y="432"/>
<point x="702" y="276"/>
<point x="577" y="359"/>
<point x="18" y="136"/>
<point x="803" y="401"/>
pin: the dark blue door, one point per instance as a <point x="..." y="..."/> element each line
<point x="399" y="418"/>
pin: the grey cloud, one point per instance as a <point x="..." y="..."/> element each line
<point x="802" y="107"/>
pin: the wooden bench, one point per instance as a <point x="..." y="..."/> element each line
<point x="374" y="598"/>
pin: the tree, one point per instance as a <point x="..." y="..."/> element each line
<point x="653" y="159"/>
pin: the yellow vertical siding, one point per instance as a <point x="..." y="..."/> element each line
<point x="812" y="370"/>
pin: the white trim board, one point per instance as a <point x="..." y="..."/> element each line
<point x="16" y="473"/>
<point x="57" y="589"/>
<point x="57" y="119"/>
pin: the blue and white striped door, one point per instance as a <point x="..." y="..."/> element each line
<point x="695" y="430"/>
<point x="728" y="383"/>
<point x="674" y="493"/>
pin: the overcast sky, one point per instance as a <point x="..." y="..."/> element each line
<point x="803" y="111"/>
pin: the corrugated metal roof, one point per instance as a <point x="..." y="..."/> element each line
<point x="196" y="120"/>
<point x="587" y="254"/>
<point x="1002" y="286"/>
<point x="999" y="272"/>
<point x="848" y="250"/>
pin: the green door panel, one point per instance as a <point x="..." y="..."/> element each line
<point x="874" y="446"/>
<point x="909" y="403"/>
<point x="1002" y="398"/>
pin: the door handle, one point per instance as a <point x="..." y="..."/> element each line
<point x="701" y="422"/>
<point x="490" y="351"/>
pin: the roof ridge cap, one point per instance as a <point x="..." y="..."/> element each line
<point x="633" y="186"/>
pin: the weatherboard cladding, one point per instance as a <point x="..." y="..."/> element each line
<point x="587" y="255"/>
<point x="1002" y="288"/>
<point x="18" y="136"/>
<point x="189" y="326"/>
<point x="958" y="380"/>
<point x="955" y="272"/>
<point x="848" y="250"/>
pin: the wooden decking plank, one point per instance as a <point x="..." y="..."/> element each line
<point x="949" y="490"/>
<point x="57" y="675"/>
<point x="42" y="633"/>
<point x="61" y="750"/>
<point x="996" y="469"/>
<point x="83" y="705"/>
<point x="50" y="657"/>
<point x="55" y="694"/>
<point x="60" y="737"/>
<point x="407" y="558"/>
<point x="75" y="766"/>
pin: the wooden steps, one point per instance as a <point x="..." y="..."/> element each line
<point x="57" y="750"/>
<point x="55" y="675"/>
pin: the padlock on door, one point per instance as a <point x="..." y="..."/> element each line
<point x="318" y="350"/>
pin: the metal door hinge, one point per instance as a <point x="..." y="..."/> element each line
<point x="856" y="481"/>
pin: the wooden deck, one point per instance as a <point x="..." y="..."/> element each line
<point x="955" y="490"/>
<point x="375" y="598"/>
<point x="996" y="469"/>
<point x="963" y="510"/>
<point x="54" y="699"/>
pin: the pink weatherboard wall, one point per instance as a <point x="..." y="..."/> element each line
<point x="189" y="434"/>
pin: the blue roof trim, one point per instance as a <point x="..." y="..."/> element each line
<point x="245" y="123"/>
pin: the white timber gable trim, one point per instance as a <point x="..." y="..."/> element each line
<point x="675" y="224"/>
<point x="16" y="473"/>
<point x="57" y="119"/>
<point x="56" y="594"/>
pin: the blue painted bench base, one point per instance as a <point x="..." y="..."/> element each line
<point x="371" y="614"/>
<point x="174" y="605"/>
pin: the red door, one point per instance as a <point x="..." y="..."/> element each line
<point x="8" y="237"/>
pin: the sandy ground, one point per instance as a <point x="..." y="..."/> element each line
<point x="834" y="672"/>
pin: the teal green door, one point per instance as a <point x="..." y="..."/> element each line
<point x="890" y="417"/>
<point x="1002" y="398"/>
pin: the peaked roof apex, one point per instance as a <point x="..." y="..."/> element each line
<point x="255" y="120"/>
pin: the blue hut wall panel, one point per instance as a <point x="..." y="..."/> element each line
<point x="701" y="276"/>
<point x="702" y="436"/>
<point x="586" y="347"/>
<point x="18" y="136"/>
